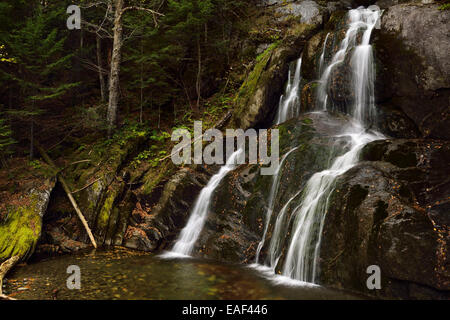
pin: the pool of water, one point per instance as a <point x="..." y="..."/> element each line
<point x="124" y="274"/>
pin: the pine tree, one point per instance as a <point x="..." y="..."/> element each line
<point x="37" y="61"/>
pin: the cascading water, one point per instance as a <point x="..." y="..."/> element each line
<point x="289" y="106"/>
<point x="272" y="196"/>
<point x="301" y="257"/>
<point x="191" y="232"/>
<point x="322" y="56"/>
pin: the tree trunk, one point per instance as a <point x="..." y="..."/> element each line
<point x="142" y="83"/>
<point x="32" y="139"/>
<point x="199" y="75"/>
<point x="100" y="69"/>
<point x="115" y="68"/>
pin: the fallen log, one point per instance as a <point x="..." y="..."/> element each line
<point x="68" y="192"/>
<point x="4" y="268"/>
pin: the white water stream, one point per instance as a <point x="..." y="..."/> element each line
<point x="190" y="233"/>
<point x="289" y="106"/>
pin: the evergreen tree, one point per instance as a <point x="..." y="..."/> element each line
<point x="37" y="63"/>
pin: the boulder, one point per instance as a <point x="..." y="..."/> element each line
<point x="259" y="95"/>
<point x="413" y="69"/>
<point x="21" y="217"/>
<point x="391" y="211"/>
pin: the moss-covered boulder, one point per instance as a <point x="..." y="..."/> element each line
<point x="21" y="218"/>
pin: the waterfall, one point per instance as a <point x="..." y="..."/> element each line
<point x="322" y="56"/>
<point x="289" y="106"/>
<point x="307" y="218"/>
<point x="190" y="233"/>
<point x="271" y="202"/>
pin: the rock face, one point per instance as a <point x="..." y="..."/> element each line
<point x="413" y="69"/>
<point x="236" y="219"/>
<point x="258" y="97"/>
<point x="154" y="228"/>
<point x="391" y="210"/>
<point x="307" y="11"/>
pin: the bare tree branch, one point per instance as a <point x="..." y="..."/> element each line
<point x="153" y="12"/>
<point x="96" y="4"/>
<point x="96" y="29"/>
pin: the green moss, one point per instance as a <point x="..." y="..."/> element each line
<point x="307" y="121"/>
<point x="155" y="176"/>
<point x="252" y="82"/>
<point x="104" y="214"/>
<point x="445" y="6"/>
<point x="20" y="231"/>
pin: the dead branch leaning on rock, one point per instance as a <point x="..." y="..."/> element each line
<point x="68" y="192"/>
<point x="4" y="268"/>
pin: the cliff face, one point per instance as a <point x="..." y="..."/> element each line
<point x="413" y="71"/>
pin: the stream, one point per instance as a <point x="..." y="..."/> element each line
<point x="124" y="274"/>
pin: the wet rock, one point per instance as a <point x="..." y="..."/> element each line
<point x="102" y="197"/>
<point x="413" y="69"/>
<point x="309" y="97"/>
<point x="388" y="211"/>
<point x="258" y="97"/>
<point x="236" y="219"/>
<point x="155" y="227"/>
<point x="58" y="242"/>
<point x="394" y="123"/>
<point x="311" y="56"/>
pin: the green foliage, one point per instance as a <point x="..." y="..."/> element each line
<point x="161" y="63"/>
<point x="5" y="137"/>
<point x="34" y="58"/>
<point x="35" y="164"/>
<point x="445" y="6"/>
<point x="156" y="153"/>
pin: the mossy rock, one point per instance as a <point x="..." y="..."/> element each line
<point x="20" y="228"/>
<point x="255" y="104"/>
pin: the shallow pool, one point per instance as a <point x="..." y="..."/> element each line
<point x="125" y="274"/>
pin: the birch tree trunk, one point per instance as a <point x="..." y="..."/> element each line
<point x="115" y="67"/>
